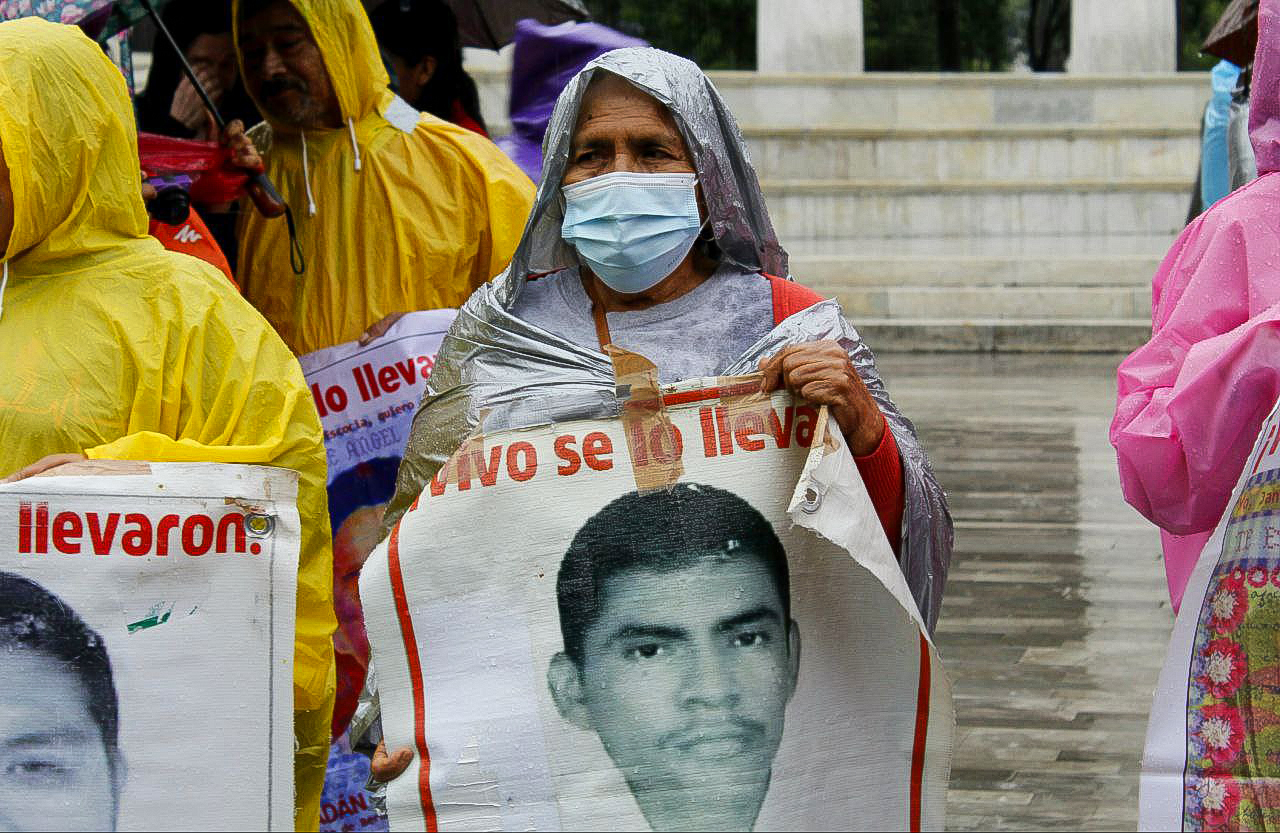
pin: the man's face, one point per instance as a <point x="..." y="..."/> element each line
<point x="55" y="770"/>
<point x="686" y="677"/>
<point x="621" y="128"/>
<point x="284" y="71"/>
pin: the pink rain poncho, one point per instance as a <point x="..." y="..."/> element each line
<point x="1191" y="400"/>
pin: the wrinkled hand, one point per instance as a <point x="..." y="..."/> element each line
<point x="243" y="153"/>
<point x="42" y="465"/>
<point x="379" y="329"/>
<point x="187" y="108"/>
<point x="822" y="373"/>
<point x="149" y="192"/>
<point x="388" y="767"/>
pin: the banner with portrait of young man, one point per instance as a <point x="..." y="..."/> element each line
<point x="146" y="648"/>
<point x="685" y="617"/>
<point x="366" y="395"/>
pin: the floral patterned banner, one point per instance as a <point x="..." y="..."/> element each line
<point x="1211" y="761"/>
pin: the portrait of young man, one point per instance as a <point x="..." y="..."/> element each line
<point x="680" y="652"/>
<point x="60" y="762"/>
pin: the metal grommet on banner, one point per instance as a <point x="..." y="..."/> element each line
<point x="259" y="526"/>
<point x="812" y="500"/>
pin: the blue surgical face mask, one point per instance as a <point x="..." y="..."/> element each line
<point x="632" y="229"/>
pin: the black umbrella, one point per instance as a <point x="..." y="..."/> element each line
<point x="1235" y="36"/>
<point x="491" y="24"/>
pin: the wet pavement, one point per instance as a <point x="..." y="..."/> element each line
<point x="1056" y="615"/>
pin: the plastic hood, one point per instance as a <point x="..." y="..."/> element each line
<point x="67" y="132"/>
<point x="1264" y="99"/>
<point x="350" y="52"/>
<point x="496" y="368"/>
<point x="729" y="185"/>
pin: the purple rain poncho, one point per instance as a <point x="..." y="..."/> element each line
<point x="546" y="58"/>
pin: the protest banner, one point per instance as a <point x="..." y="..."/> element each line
<point x="366" y="396"/>
<point x="599" y="625"/>
<point x="146" y="647"/>
<point x="1210" y="761"/>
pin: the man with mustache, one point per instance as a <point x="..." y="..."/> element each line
<point x="395" y="210"/>
<point x="679" y="651"/>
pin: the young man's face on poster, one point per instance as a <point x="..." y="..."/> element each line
<point x="56" y="772"/>
<point x="685" y="676"/>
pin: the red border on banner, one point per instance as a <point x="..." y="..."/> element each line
<point x="922" y="733"/>
<point x="717" y="392"/>
<point x="415" y="678"/>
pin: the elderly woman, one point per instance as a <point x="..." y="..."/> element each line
<point x="650" y="233"/>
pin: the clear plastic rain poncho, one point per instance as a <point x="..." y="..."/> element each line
<point x="496" y="367"/>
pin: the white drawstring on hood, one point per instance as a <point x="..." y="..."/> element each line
<point x="4" y="284"/>
<point x="306" y="165"/>
<point x="306" y="177"/>
<point x="355" y="147"/>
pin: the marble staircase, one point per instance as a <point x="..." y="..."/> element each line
<point x="990" y="212"/>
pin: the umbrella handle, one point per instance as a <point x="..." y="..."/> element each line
<point x="265" y="197"/>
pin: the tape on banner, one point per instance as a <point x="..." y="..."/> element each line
<point x="656" y="448"/>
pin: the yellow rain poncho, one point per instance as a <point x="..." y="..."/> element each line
<point x="119" y="349"/>
<point x="396" y="211"/>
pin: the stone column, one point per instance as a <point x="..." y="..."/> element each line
<point x="821" y="36"/>
<point x="1122" y="37"/>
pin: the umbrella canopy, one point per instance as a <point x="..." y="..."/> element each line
<point x="126" y="13"/>
<point x="100" y="19"/>
<point x="58" y="11"/>
<point x="1235" y="36"/>
<point x="491" y="24"/>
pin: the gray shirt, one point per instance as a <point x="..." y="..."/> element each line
<point x="698" y="334"/>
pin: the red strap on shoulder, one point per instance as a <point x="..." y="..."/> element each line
<point x="533" y="276"/>
<point x="789" y="298"/>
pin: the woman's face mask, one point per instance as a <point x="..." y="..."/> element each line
<point x="632" y="229"/>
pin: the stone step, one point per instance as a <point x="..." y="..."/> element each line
<point x="941" y="335"/>
<point x="936" y="99"/>
<point x="1048" y="152"/>
<point x="868" y="271"/>
<point x="1001" y="303"/>
<point x="845" y="209"/>
<point x="1040" y="245"/>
